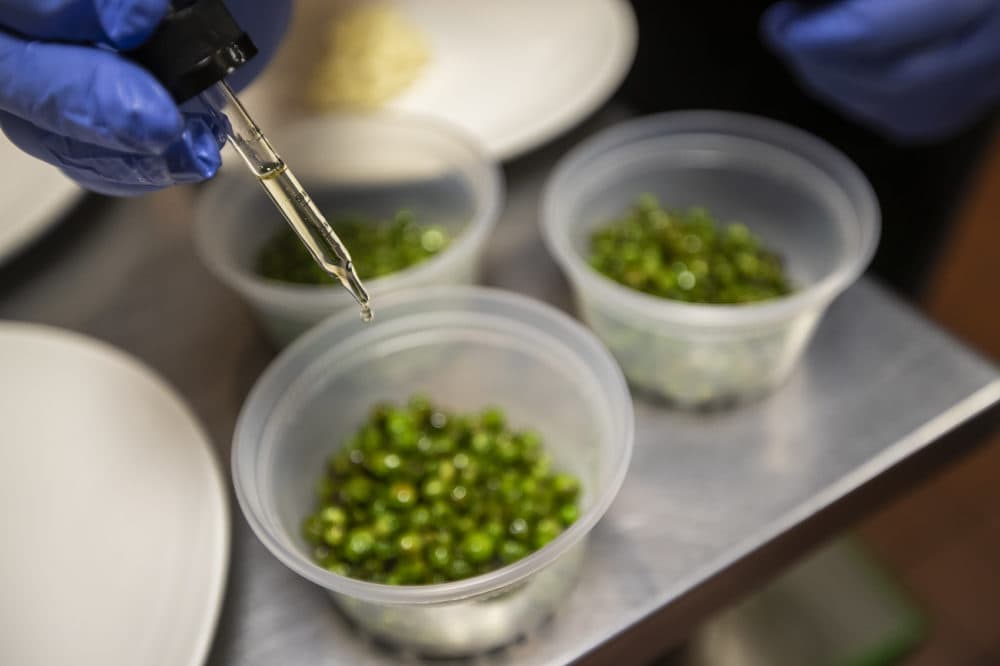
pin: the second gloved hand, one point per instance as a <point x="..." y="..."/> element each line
<point x="67" y="98"/>
<point x="915" y="70"/>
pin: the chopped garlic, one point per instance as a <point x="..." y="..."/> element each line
<point x="374" y="55"/>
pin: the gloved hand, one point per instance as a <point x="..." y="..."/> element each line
<point x="68" y="99"/>
<point x="915" y="70"/>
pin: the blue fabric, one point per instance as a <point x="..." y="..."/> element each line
<point x="67" y="98"/>
<point x="916" y="70"/>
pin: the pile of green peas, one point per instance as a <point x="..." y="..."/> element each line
<point x="377" y="248"/>
<point x="686" y="256"/>
<point x="420" y="495"/>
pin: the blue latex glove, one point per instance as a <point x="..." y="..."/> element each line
<point x="68" y="99"/>
<point x="915" y="70"/>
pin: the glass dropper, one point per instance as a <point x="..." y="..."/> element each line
<point x="285" y="191"/>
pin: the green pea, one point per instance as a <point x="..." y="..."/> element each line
<point x="434" y="488"/>
<point x="333" y="515"/>
<point x="531" y="445"/>
<point x="478" y="547"/>
<point x="542" y="467"/>
<point x="482" y="443"/>
<point x="360" y="542"/>
<point x="461" y="461"/>
<point x="402" y="494"/>
<point x="565" y="485"/>
<point x="410" y="544"/>
<point x="459" y="495"/>
<point x="358" y="490"/>
<point x="512" y="551"/>
<point x="413" y="572"/>
<point x="495" y="530"/>
<point x="470" y="475"/>
<point x="510" y="488"/>
<point x="339" y="568"/>
<point x="444" y="444"/>
<point x="439" y="557"/>
<point x="507" y="450"/>
<point x="386" y="524"/>
<point x="443" y="537"/>
<point x="384" y="463"/>
<point x="371" y="438"/>
<point x="333" y="535"/>
<point x="420" y="517"/>
<point x="492" y="419"/>
<point x="433" y="240"/>
<point x="518" y="528"/>
<point x="568" y="513"/>
<point x="446" y="471"/>
<point x="441" y="512"/>
<point x="546" y="530"/>
<point x="464" y="524"/>
<point x="386" y="550"/>
<point x="529" y="486"/>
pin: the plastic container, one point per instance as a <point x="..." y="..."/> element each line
<point x="801" y="196"/>
<point x="372" y="165"/>
<point x="465" y="347"/>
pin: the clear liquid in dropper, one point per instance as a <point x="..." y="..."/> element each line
<point x="298" y="208"/>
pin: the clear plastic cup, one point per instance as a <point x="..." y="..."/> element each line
<point x="801" y="196"/>
<point x="372" y="165"/>
<point x="466" y="348"/>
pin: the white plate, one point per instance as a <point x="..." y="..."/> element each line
<point x="115" y="519"/>
<point x="33" y="196"/>
<point x="517" y="73"/>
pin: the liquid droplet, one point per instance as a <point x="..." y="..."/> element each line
<point x="366" y="313"/>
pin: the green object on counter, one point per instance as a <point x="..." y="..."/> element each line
<point x="377" y="248"/>
<point x="421" y="495"/>
<point x="686" y="257"/>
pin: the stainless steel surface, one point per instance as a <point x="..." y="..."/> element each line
<point x="704" y="490"/>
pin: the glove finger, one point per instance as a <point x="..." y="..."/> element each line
<point x="897" y="105"/>
<point x="123" y="24"/>
<point x="87" y="94"/>
<point x="193" y="158"/>
<point x="862" y="29"/>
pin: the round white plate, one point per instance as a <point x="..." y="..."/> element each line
<point x="517" y="73"/>
<point x="33" y="195"/>
<point x="115" y="518"/>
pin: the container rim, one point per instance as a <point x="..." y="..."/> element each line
<point x="482" y="175"/>
<point x="594" y="357"/>
<point x="625" y="136"/>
